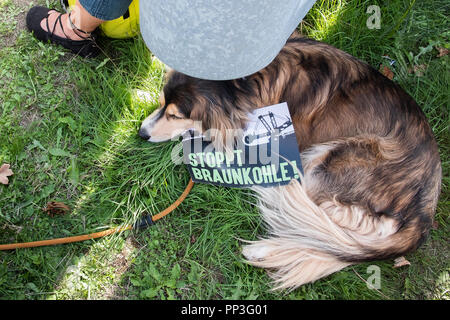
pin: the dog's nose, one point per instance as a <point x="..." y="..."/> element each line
<point x="143" y="134"/>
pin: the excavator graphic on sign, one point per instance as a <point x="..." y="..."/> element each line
<point x="272" y="130"/>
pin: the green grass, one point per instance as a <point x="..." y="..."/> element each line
<point x="68" y="127"/>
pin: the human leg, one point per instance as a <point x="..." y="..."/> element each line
<point x="73" y="31"/>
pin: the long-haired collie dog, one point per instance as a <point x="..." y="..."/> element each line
<point x="372" y="171"/>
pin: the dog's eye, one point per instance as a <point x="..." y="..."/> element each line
<point x="172" y="116"/>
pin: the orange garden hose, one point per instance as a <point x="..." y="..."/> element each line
<point x="100" y="234"/>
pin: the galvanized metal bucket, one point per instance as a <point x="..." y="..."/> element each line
<point x="219" y="39"/>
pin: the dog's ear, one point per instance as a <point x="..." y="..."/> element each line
<point x="212" y="115"/>
<point x="222" y="122"/>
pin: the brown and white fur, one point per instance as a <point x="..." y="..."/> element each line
<point x="372" y="171"/>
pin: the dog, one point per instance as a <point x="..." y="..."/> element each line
<point x="372" y="172"/>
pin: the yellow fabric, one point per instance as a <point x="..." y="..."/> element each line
<point x="121" y="28"/>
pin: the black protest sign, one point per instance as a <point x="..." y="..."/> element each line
<point x="264" y="154"/>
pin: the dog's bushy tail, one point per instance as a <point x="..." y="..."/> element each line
<point x="335" y="218"/>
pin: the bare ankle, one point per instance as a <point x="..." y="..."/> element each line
<point x="63" y="29"/>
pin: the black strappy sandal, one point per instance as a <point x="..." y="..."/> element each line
<point x="84" y="48"/>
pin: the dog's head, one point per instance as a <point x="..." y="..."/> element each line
<point x="188" y="102"/>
